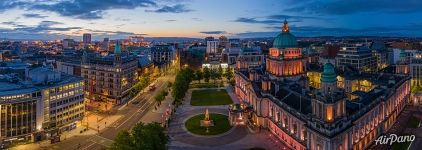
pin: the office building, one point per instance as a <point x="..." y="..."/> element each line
<point x="162" y="54"/>
<point x="105" y="44"/>
<point x="40" y="105"/>
<point x="356" y="56"/>
<point x="109" y="78"/>
<point x="86" y="39"/>
<point x="68" y="43"/>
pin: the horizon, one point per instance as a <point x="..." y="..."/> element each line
<point x="59" y="19"/>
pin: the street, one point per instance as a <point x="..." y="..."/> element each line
<point x="125" y="118"/>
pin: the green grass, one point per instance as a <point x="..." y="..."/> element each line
<point x="210" y="97"/>
<point x="413" y="122"/>
<point x="400" y="146"/>
<point x="205" y="85"/>
<point x="221" y="124"/>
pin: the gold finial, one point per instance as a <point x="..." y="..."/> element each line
<point x="285" y="26"/>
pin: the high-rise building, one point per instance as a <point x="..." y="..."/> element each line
<point x="105" y="44"/>
<point x="109" y="78"/>
<point x="209" y="39"/>
<point x="68" y="43"/>
<point x="86" y="39"/>
<point x="212" y="47"/>
<point x="223" y="42"/>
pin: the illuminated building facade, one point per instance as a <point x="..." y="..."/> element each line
<point x="416" y="82"/>
<point x="162" y="54"/>
<point x="109" y="78"/>
<point x="380" y="52"/>
<point x="323" y="109"/>
<point x="48" y="103"/>
<point x="285" y="59"/>
<point x="358" y="57"/>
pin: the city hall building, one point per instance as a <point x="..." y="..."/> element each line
<point x="318" y="107"/>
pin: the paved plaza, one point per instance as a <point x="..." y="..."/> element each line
<point x="239" y="137"/>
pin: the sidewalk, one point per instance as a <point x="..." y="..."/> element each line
<point x="92" y="130"/>
<point x="157" y="115"/>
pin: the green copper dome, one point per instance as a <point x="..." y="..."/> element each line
<point x="328" y="75"/>
<point x="285" y="39"/>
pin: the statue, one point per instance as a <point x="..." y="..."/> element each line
<point x="207" y="122"/>
<point x="207" y="115"/>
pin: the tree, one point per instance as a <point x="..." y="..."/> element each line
<point x="123" y="141"/>
<point x="181" y="83"/>
<point x="156" y="71"/>
<point x="149" y="136"/>
<point x="160" y="96"/>
<point x="214" y="75"/>
<point x="220" y="72"/>
<point x="199" y="75"/>
<point x="207" y="74"/>
<point x="229" y="74"/>
<point x="169" y="84"/>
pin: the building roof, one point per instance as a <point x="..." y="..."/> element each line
<point x="117" y="49"/>
<point x="285" y="39"/>
<point x="328" y="75"/>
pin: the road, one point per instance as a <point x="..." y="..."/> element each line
<point x="131" y="114"/>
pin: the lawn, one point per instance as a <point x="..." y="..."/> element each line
<point x="412" y="123"/>
<point x="205" y="85"/>
<point x="210" y="97"/>
<point x="221" y="124"/>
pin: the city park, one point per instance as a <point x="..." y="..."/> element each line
<point x="199" y="116"/>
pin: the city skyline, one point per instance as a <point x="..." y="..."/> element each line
<point x="39" y="19"/>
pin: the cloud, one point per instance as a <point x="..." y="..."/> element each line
<point x="178" y="8"/>
<point x="196" y="19"/>
<point x="171" y="20"/>
<point x="107" y="32"/>
<point x="44" y="27"/>
<point x="406" y="30"/>
<point x="213" y="32"/>
<point x="32" y="15"/>
<point x="11" y="4"/>
<point x="81" y="9"/>
<point x="272" y="19"/>
<point x="13" y="23"/>
<point x="342" y="7"/>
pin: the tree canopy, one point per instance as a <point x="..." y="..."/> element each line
<point x="142" y="136"/>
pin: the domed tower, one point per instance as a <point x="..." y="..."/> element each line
<point x="328" y="79"/>
<point x="285" y="60"/>
<point x="329" y="103"/>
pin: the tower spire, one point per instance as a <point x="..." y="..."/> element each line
<point x="285" y="26"/>
<point x="117" y="49"/>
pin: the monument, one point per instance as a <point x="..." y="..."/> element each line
<point x="207" y="122"/>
